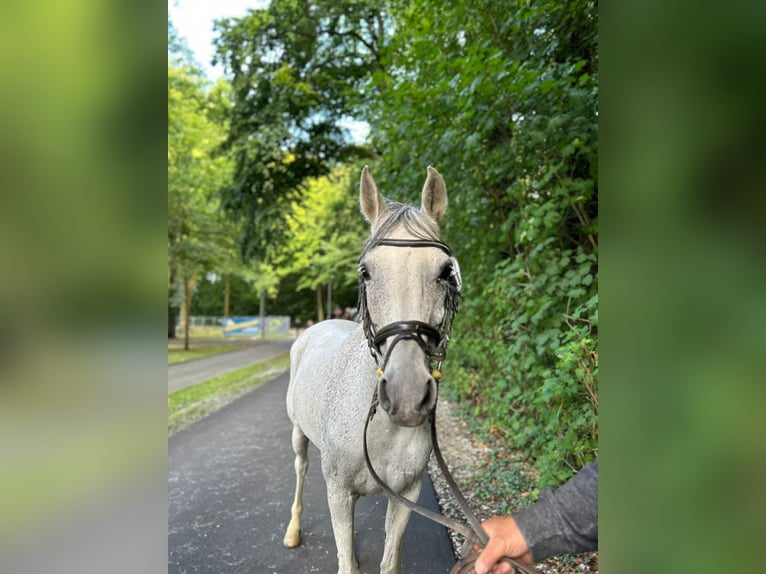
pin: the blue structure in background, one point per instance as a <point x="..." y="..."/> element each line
<point x="251" y="326"/>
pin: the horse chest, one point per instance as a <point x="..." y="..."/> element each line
<point x="398" y="455"/>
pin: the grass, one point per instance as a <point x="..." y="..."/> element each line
<point x="176" y="355"/>
<point x="213" y="332"/>
<point x="193" y="403"/>
<point x="216" y="332"/>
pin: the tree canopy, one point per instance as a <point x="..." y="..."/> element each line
<point x="297" y="69"/>
<point x="200" y="238"/>
<point x="325" y="233"/>
<point x="197" y="234"/>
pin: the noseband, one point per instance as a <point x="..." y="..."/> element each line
<point x="433" y="340"/>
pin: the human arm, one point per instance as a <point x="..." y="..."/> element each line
<point x="564" y="520"/>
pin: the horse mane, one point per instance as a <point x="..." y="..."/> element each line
<point x="412" y="219"/>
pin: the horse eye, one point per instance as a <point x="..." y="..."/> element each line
<point x="364" y="273"/>
<point x="447" y="274"/>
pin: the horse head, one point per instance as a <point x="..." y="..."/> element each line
<point x="409" y="283"/>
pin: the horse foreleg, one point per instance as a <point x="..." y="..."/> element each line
<point x="342" y="503"/>
<point x="300" y="446"/>
<point x="397" y="517"/>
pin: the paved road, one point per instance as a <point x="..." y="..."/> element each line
<point x="230" y="487"/>
<point x="182" y="375"/>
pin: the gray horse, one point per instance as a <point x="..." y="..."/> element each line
<point x="406" y="275"/>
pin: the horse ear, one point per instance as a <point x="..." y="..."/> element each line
<point x="434" y="195"/>
<point x="373" y="204"/>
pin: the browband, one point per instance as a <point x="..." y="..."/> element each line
<point x="415" y="243"/>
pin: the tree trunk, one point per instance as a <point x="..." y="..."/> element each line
<point x="320" y="308"/>
<point x="172" y="315"/>
<point x="172" y="311"/>
<point x="263" y="313"/>
<point x="186" y="311"/>
<point x="189" y="284"/>
<point x="171" y="320"/>
<point x="329" y="299"/>
<point x="226" y="297"/>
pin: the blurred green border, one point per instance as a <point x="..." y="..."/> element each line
<point x="683" y="278"/>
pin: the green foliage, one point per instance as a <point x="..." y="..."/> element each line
<point x="502" y="98"/>
<point x="325" y="231"/>
<point x="296" y="70"/>
<point x="201" y="238"/>
<point x="302" y="304"/>
<point x="209" y="297"/>
<point x="179" y="54"/>
<point x="198" y="235"/>
<point x="504" y="482"/>
<point x="324" y="235"/>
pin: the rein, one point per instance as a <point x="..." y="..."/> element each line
<point x="473" y="533"/>
<point x="434" y="342"/>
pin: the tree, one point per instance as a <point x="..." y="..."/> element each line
<point x="199" y="237"/>
<point x="324" y="233"/>
<point x="297" y="69"/>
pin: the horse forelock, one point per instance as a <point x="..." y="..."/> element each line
<point x="411" y="219"/>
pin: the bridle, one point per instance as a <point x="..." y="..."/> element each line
<point x="433" y="341"/>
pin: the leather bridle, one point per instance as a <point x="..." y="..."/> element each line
<point x="434" y="343"/>
<point x="433" y="340"/>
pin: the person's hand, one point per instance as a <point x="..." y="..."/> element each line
<point x="505" y="539"/>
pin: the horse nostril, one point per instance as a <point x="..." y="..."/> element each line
<point x="383" y="398"/>
<point x="429" y="400"/>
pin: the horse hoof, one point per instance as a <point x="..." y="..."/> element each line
<point x="292" y="541"/>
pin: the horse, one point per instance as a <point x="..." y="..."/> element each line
<point x="408" y="289"/>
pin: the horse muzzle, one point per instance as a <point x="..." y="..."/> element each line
<point x="407" y="397"/>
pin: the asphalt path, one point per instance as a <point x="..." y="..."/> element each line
<point x="230" y="487"/>
<point x="186" y="374"/>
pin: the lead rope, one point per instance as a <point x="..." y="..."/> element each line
<point x="474" y="533"/>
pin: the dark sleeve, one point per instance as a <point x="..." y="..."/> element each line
<point x="565" y="520"/>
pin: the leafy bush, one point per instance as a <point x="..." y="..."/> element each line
<point x="526" y="354"/>
<point x="503" y="101"/>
